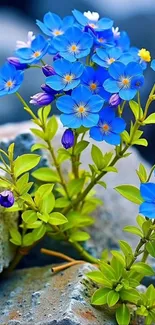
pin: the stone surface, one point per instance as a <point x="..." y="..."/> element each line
<point x="7" y="250"/>
<point x="37" y="297"/>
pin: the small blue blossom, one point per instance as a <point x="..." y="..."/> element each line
<point x="74" y="45"/>
<point x="104" y="38"/>
<point x="147" y="208"/>
<point x="105" y="57"/>
<point x="84" y="20"/>
<point x="94" y="80"/>
<point x="109" y="127"/>
<point x="33" y="54"/>
<point x="67" y="75"/>
<point x="153" y="64"/>
<point x="10" y="79"/>
<point x="123" y="41"/>
<point x="6" y="199"/>
<point x="53" y="25"/>
<point x="80" y="109"/>
<point x="124" y="80"/>
<point x="67" y="139"/>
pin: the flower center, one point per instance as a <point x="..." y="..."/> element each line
<point x="125" y="81"/>
<point x="36" y="54"/>
<point x="68" y="78"/>
<point x="111" y="60"/>
<point x="74" y="48"/>
<point x="101" y="40"/>
<point x="93" y="86"/>
<point x="92" y="25"/>
<point x="81" y="110"/>
<point x="57" y="32"/>
<point x="144" y="55"/>
<point x="9" y="84"/>
<point x="105" y="127"/>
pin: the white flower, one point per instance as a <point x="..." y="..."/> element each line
<point x="93" y="16"/>
<point x="21" y="44"/>
<point x="116" y="32"/>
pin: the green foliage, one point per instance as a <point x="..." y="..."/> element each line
<point x="25" y="163"/>
<point x="45" y="174"/>
<point x="130" y="192"/>
<point x="123" y="315"/>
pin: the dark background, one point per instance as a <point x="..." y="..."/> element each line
<point x="18" y="17"/>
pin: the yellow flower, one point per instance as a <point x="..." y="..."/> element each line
<point x="144" y="55"/>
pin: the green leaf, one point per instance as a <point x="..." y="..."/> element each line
<point x="143" y="268"/>
<point x="75" y="186"/>
<point x="150" y="119"/>
<point x="123" y="315"/>
<point x="34" y="225"/>
<point x="146" y="227"/>
<point x="22" y="182"/>
<point x="29" y="216"/>
<point x="103" y="184"/>
<point x="133" y="230"/>
<point x="45" y="174"/>
<point x="112" y="298"/>
<point x="51" y="128"/>
<point x="97" y="157"/>
<point x="111" y="169"/>
<point x="141" y="142"/>
<point x="38" y="233"/>
<point x="119" y="256"/>
<point x="125" y="247"/>
<point x="44" y="190"/>
<point x="79" y="236"/>
<point x="63" y="155"/>
<point x="100" y="297"/>
<point x="117" y="267"/>
<point x="16" y="237"/>
<point x="125" y="136"/>
<point x="80" y="146"/>
<point x="62" y="203"/>
<point x="142" y="173"/>
<point x="96" y="276"/>
<point x="150" y="246"/>
<point x="37" y="146"/>
<point x="150" y="294"/>
<point x="47" y="204"/>
<point x="57" y="218"/>
<point x="11" y="151"/>
<point x="107" y="270"/>
<point x="135" y="110"/>
<point x="131" y="295"/>
<point x="46" y="112"/>
<point x="24" y="163"/>
<point x="43" y="217"/>
<point x="28" y="240"/>
<point x="140" y="220"/>
<point x="40" y="134"/>
<point x="130" y="192"/>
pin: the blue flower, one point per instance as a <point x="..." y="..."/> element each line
<point x="33" y="54"/>
<point x="101" y="24"/>
<point x="105" y="57"/>
<point x="94" y="80"/>
<point x="74" y="45"/>
<point x="104" y="38"/>
<point x="147" y="208"/>
<point x="67" y="75"/>
<point x="153" y="64"/>
<point x="81" y="108"/>
<point x="10" y="79"/>
<point x="109" y="127"/>
<point x="123" y="41"/>
<point x="124" y="79"/>
<point x="53" y="25"/>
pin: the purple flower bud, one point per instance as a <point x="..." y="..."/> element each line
<point x="48" y="89"/>
<point x="114" y="100"/>
<point x="6" y="199"/>
<point x="67" y="139"/>
<point x="56" y="57"/>
<point x="41" y="99"/>
<point x="15" y="61"/>
<point x="48" y="70"/>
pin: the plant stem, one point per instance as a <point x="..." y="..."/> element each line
<point x="75" y="160"/>
<point x="86" y="256"/>
<point x="149" y="101"/>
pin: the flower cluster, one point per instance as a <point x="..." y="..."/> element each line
<point x="93" y="67"/>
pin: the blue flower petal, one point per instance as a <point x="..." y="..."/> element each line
<point x="90" y="120"/>
<point x="148" y="210"/>
<point x="71" y="120"/>
<point x="85" y="41"/>
<point x="81" y="94"/>
<point x="96" y="133"/>
<point x="133" y="69"/>
<point x="88" y="75"/>
<point x="97" y="60"/>
<point x="68" y="21"/>
<point x="52" y="21"/>
<point x="65" y="104"/>
<point x="118" y="125"/>
<point x="107" y="115"/>
<point x="147" y="191"/>
<point x="114" y="52"/>
<point x="38" y="43"/>
<point x="80" y="17"/>
<point x="56" y="82"/>
<point x="102" y="53"/>
<point x="82" y="53"/>
<point x="24" y="54"/>
<point x="112" y="138"/>
<point x="60" y="43"/>
<point x="43" y="28"/>
<point x="111" y="86"/>
<point x="68" y="56"/>
<point x="116" y="70"/>
<point x="105" y="23"/>
<point x="72" y="84"/>
<point x="127" y="93"/>
<point x="74" y="35"/>
<point x="125" y="58"/>
<point x="62" y="67"/>
<point x="95" y="103"/>
<point x="77" y="69"/>
<point x="153" y="64"/>
<point x="7" y="71"/>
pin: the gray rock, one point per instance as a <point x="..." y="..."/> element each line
<point x="7" y="250"/>
<point x="65" y="301"/>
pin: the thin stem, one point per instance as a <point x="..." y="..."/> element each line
<point x="150" y="174"/>
<point x="26" y="107"/>
<point x="65" y="266"/>
<point x="149" y="101"/>
<point x="87" y="257"/>
<point x="42" y="61"/>
<point x="75" y="160"/>
<point x="57" y="254"/>
<point x="35" y="66"/>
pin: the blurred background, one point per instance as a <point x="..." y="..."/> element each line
<point x="18" y="17"/>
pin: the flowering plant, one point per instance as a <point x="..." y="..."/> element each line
<point x="94" y="74"/>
